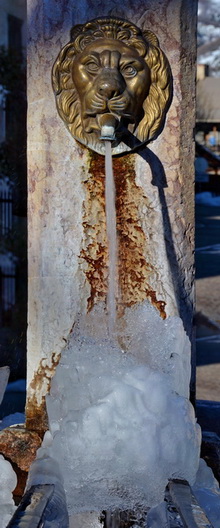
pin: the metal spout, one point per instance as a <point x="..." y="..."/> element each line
<point x="107" y="133"/>
<point x="107" y="123"/>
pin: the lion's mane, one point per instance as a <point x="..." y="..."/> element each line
<point x="147" y="45"/>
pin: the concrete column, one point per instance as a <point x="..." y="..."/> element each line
<point x="155" y="194"/>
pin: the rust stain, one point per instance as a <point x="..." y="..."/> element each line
<point x="134" y="269"/>
<point x="19" y="447"/>
<point x="96" y="272"/>
<point x="94" y="254"/>
<point x="36" y="414"/>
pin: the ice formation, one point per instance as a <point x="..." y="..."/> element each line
<point x="46" y="470"/>
<point x="118" y="411"/>
<point x="207" y="492"/>
<point x="8" y="484"/>
<point x="4" y="375"/>
<point x="8" y="476"/>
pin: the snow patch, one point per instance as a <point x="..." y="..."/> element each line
<point x="12" y="419"/>
<point x="207" y="198"/>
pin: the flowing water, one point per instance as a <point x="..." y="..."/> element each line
<point x="110" y="210"/>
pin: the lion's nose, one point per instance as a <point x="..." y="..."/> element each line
<point x="108" y="91"/>
<point x="110" y="87"/>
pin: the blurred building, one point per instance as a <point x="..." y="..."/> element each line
<point x="13" y="193"/>
<point x="208" y="108"/>
<point x="12" y="36"/>
<point x="13" y="23"/>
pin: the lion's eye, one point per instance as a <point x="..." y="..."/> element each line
<point x="92" y="67"/>
<point x="129" y="70"/>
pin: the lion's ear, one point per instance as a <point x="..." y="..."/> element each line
<point x="74" y="32"/>
<point x="151" y="37"/>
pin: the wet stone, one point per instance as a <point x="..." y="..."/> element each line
<point x="19" y="446"/>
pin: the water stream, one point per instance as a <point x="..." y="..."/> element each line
<point x="110" y="210"/>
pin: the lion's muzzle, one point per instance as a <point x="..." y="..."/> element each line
<point x="110" y="83"/>
<point x="108" y="94"/>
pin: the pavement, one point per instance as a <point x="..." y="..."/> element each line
<point x="208" y="302"/>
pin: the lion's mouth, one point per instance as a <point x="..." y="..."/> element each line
<point x="119" y="106"/>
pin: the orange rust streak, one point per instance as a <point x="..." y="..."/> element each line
<point x="134" y="269"/>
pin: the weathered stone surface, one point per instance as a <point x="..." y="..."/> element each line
<point x="67" y="245"/>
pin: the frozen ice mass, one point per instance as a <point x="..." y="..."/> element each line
<point x="119" y="415"/>
<point x="8" y="484"/>
<point x="207" y="492"/>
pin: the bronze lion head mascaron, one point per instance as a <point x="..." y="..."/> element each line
<point x="112" y="73"/>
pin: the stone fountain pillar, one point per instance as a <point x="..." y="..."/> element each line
<point x="155" y="194"/>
